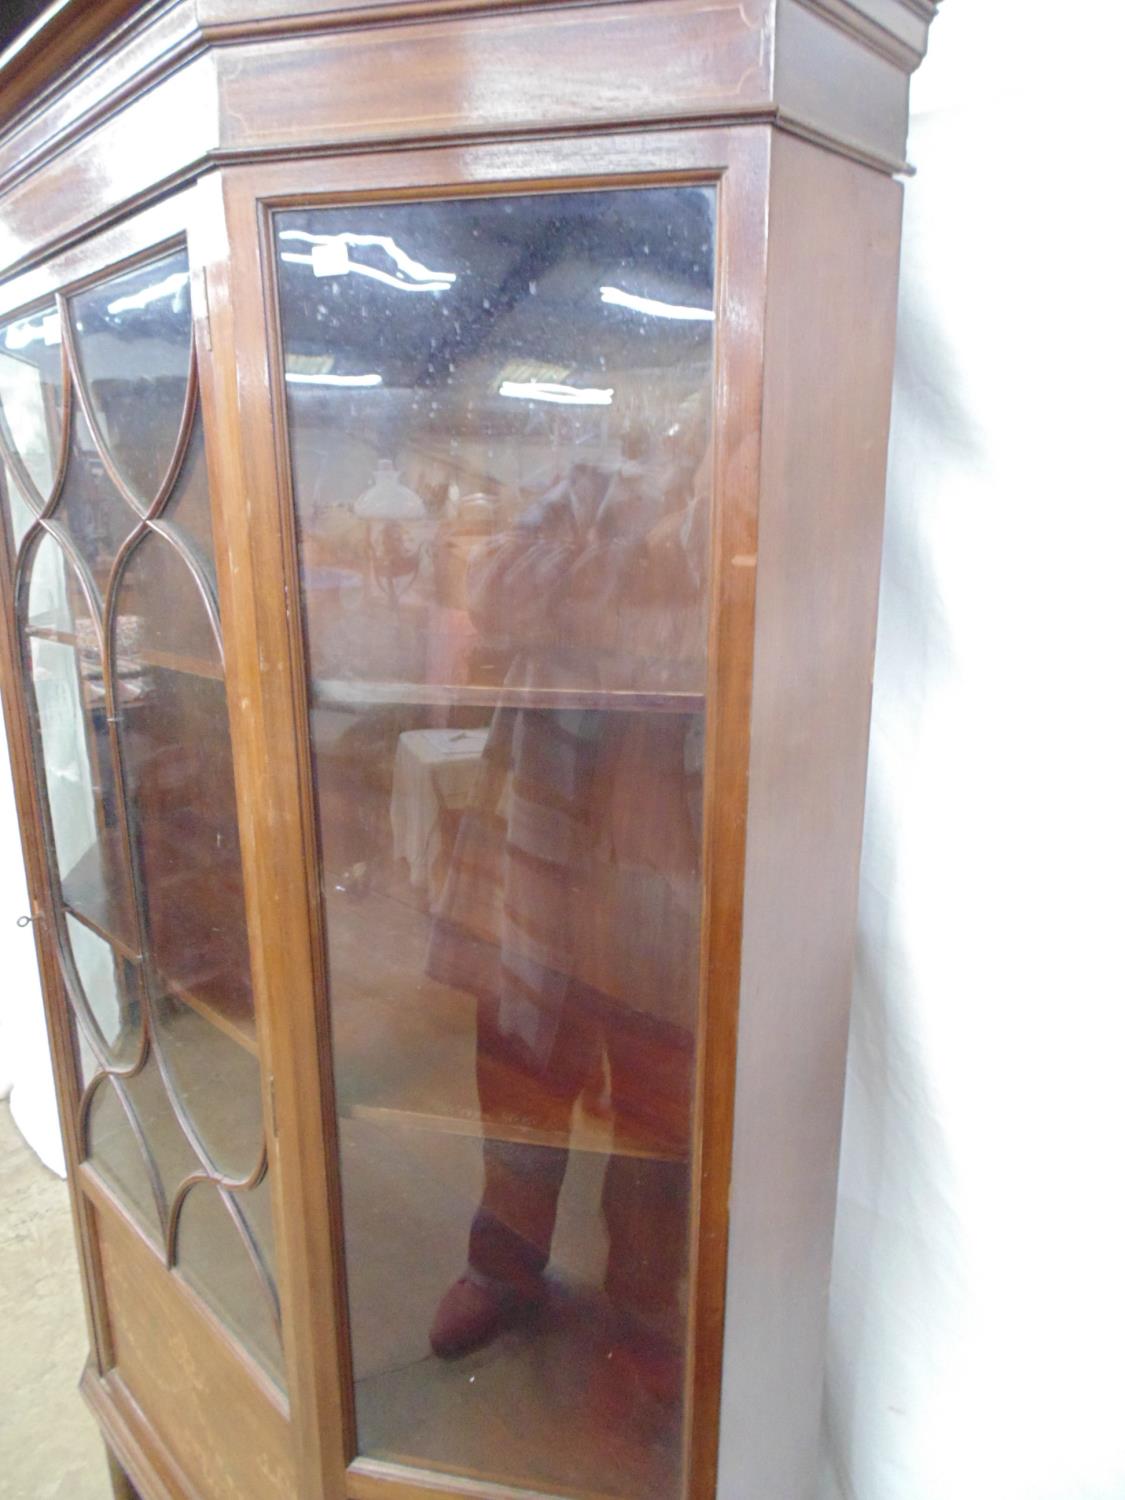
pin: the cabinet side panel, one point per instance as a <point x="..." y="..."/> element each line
<point x="829" y="345"/>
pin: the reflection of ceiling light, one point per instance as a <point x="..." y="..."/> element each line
<point x="295" y="377"/>
<point x="404" y="262"/>
<point x="25" y="332"/>
<point x="361" y="270"/>
<point x="171" y="286"/>
<point x="565" y="395"/>
<point x="617" y="298"/>
<point x="330" y="257"/>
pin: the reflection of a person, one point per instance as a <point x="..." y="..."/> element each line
<point x="570" y="908"/>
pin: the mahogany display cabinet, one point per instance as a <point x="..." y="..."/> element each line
<point x="443" y="452"/>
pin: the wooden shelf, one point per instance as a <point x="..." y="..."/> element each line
<point x="167" y="661"/>
<point x="94" y="893"/>
<point x="406" y="1051"/>
<point x="346" y="694"/>
<point x="220" y="996"/>
<point x="228" y="1006"/>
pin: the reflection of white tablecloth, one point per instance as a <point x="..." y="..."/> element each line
<point x="434" y="768"/>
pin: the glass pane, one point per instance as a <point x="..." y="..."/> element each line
<point x="31" y="396"/>
<point x="110" y="1000"/>
<point x="114" y="1145"/>
<point x="19" y="513"/>
<point x="215" y="1079"/>
<point x="69" y="701"/>
<point x="189" y="509"/>
<point x="214" y="1259"/>
<point x="97" y="519"/>
<point x="133" y="338"/>
<point x="499" y="415"/>
<point x="179" y="778"/>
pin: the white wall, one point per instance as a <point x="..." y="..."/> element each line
<point x="25" y="1064"/>
<point x="978" y="1297"/>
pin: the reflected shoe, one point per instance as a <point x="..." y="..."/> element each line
<point x="474" y="1310"/>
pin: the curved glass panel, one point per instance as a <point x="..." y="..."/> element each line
<point x="499" y="417"/>
<point x="179" y="777"/>
<point x="69" y="702"/>
<point x="116" y="605"/>
<point x="19" y="514"/>
<point x="133" y="340"/>
<point x="215" y="1079"/>
<point x="188" y="510"/>
<point x="111" y="988"/>
<point x="114" y="1147"/>
<point x="31" y="395"/>
<point x="214" y="1259"/>
<point x="96" y="518"/>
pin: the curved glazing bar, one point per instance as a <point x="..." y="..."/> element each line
<point x="132" y="338"/>
<point x="109" y="526"/>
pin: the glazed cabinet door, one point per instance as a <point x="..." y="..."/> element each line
<point x="118" y="706"/>
<point x="499" y="398"/>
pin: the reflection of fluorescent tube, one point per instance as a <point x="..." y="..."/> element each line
<point x="330" y="258"/>
<point x="25" y="332"/>
<point x="617" y="298"/>
<point x="300" y="379"/>
<point x="384" y="276"/>
<point x="565" y="395"/>
<point x="171" y="286"/>
<point x="404" y="262"/>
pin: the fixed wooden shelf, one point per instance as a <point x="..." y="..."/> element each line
<point x="406" y="1047"/>
<point x="168" y="661"/>
<point x="93" y="894"/>
<point x="345" y="693"/>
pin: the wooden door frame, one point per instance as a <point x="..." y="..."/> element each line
<point x="266" y="666"/>
<point x="171" y="222"/>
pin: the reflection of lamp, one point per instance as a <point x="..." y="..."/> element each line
<point x="390" y="507"/>
<point x="388" y="499"/>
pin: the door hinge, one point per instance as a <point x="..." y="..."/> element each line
<point x="273" y="1107"/>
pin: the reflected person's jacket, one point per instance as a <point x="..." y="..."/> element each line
<point x="574" y="879"/>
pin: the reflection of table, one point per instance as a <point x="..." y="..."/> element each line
<point x="433" y="775"/>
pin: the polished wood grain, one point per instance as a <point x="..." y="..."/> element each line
<point x="154" y="141"/>
<point x="278" y="840"/>
<point x="826" y="373"/>
<point x="221" y="1427"/>
<point x="225" y="90"/>
<point x="130" y="1437"/>
<point x="108" y="64"/>
<point x="119" y="1482"/>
